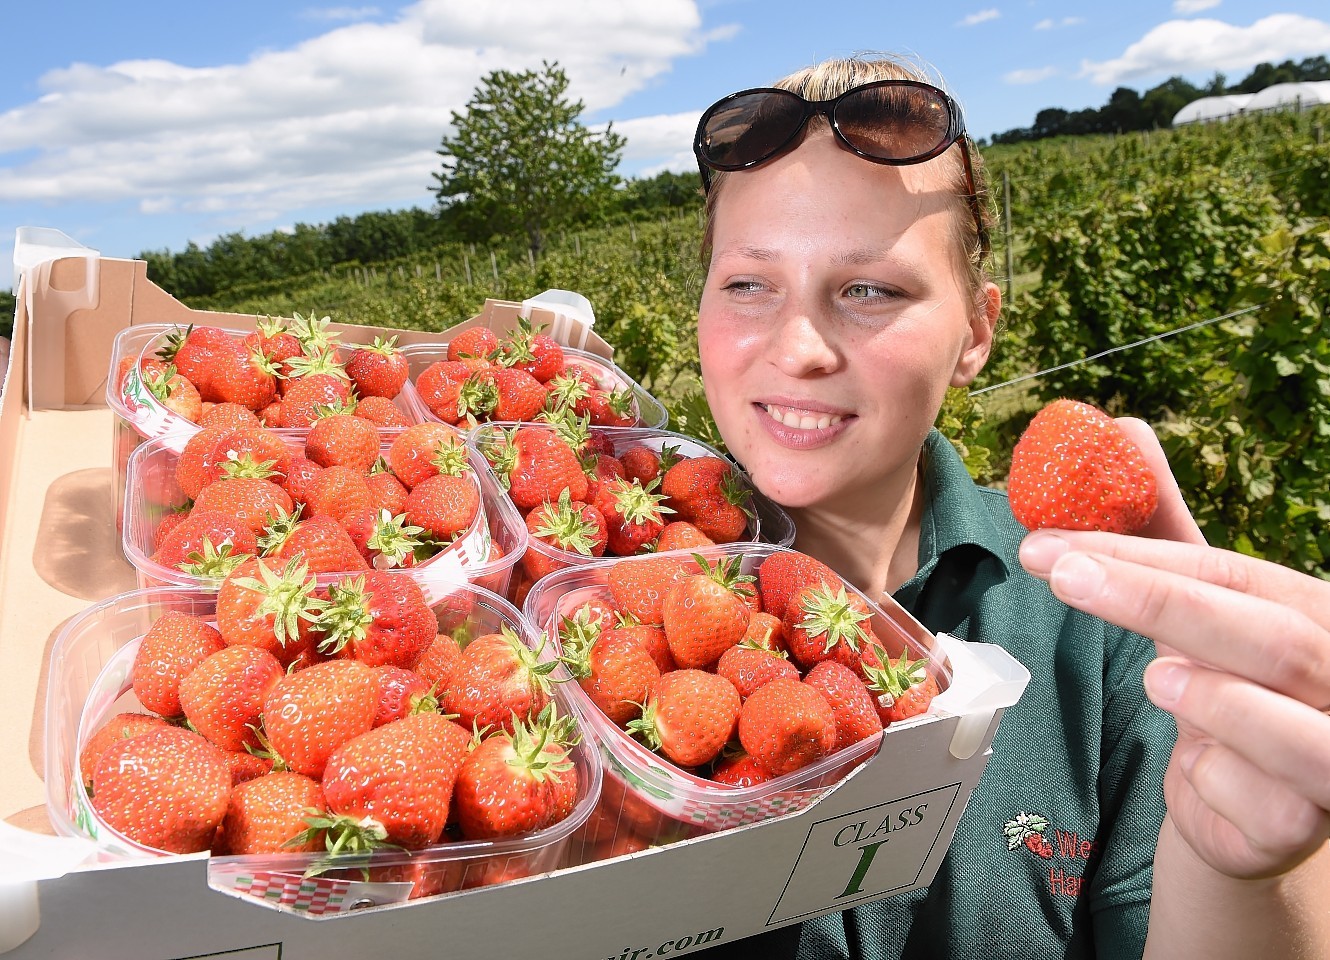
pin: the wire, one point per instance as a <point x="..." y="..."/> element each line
<point x="1118" y="349"/>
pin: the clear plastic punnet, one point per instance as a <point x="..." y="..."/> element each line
<point x="768" y="521"/>
<point x="486" y="554"/>
<point x="649" y="411"/>
<point x="90" y="682"/>
<point x="140" y="416"/>
<point x="647" y="800"/>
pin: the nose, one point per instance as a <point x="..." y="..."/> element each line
<point x="805" y="344"/>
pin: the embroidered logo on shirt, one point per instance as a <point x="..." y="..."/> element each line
<point x="1032" y="831"/>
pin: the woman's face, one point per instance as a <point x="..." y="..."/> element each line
<point x="833" y="319"/>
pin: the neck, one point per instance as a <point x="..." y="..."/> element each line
<point x="872" y="542"/>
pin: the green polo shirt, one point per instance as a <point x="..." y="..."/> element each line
<point x="1081" y="755"/>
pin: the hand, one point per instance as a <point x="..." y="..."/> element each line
<point x="1244" y="667"/>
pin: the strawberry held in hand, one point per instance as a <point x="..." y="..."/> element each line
<point x="1074" y="469"/>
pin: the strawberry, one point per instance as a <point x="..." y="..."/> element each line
<point x="641" y="463"/>
<point x="784" y="573"/>
<point x="228" y="415"/>
<point x="253" y="501"/>
<point x="385" y="542"/>
<point x="413" y="453"/>
<point x="378" y="370"/>
<point x="175" y="393"/>
<point x="827" y="623"/>
<point x="613" y="667"/>
<point x="786" y="725"/>
<point x="444" y="506"/>
<point x="749" y="667"/>
<point x="649" y="636"/>
<point x="901" y="688"/>
<point x="707" y="492"/>
<point x="382" y="412"/>
<point x="401" y="774"/>
<point x="476" y="342"/>
<point x="738" y="769"/>
<point x="634" y="515"/>
<point x="195" y="352"/>
<point x="1038" y="844"/>
<point x="609" y="408"/>
<point x="211" y="527"/>
<point x="706" y="613"/>
<point x="569" y="526"/>
<point x="852" y="703"/>
<point x="454" y="393"/>
<point x="300" y="471"/>
<point x="498" y="680"/>
<point x="247" y="766"/>
<point x="682" y="535"/>
<point x="320" y="542"/>
<point x="765" y="630"/>
<point x="211" y="563"/>
<point x="168" y="522"/>
<point x="439" y="662"/>
<point x="536" y="353"/>
<point x="535" y="465"/>
<point x="338" y="492"/>
<point x="263" y="604"/>
<point x="340" y="439"/>
<point x="689" y="716"/>
<point x="223" y="696"/>
<point x="245" y="376"/>
<point x="194" y="467"/>
<point x="399" y="692"/>
<point x="166" y="789"/>
<point x="600" y="469"/>
<point x="253" y="451"/>
<point x="389" y="493"/>
<point x="302" y="399"/>
<point x="512" y="783"/>
<point x="1075" y="469"/>
<point x="312" y="712"/>
<point x="274" y="341"/>
<point x="266" y="814"/>
<point x="376" y="618"/>
<point x="173" y="646"/>
<point x="520" y="396"/>
<point x="121" y="726"/>
<point x="638" y="586"/>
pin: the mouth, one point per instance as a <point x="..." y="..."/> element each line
<point x="797" y="418"/>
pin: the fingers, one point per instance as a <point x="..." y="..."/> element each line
<point x="1261" y="579"/>
<point x="1172" y="519"/>
<point x="1272" y="643"/>
<point x="1267" y="769"/>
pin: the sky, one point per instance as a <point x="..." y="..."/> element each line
<point x="152" y="124"/>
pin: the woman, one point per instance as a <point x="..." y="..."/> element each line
<point x="845" y="242"/>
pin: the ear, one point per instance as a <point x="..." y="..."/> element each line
<point x="983" y="323"/>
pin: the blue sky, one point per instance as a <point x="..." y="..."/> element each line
<point x="147" y="125"/>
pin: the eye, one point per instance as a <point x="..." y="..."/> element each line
<point x="863" y="290"/>
<point x="743" y="285"/>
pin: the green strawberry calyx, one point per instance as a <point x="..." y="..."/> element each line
<point x="831" y="615"/>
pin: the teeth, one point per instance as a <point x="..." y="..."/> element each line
<point x="801" y="421"/>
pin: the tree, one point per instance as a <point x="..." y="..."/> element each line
<point x="519" y="159"/>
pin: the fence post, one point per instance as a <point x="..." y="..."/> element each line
<point x="1006" y="231"/>
<point x="494" y="266"/>
<point x="466" y="267"/>
<point x="577" y="239"/>
<point x="438" y="271"/>
<point x="530" y="257"/>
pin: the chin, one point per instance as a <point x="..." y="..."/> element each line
<point x="792" y="489"/>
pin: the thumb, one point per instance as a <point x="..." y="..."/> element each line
<point x="1172" y="519"/>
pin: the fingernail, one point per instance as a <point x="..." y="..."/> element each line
<point x="1039" y="551"/>
<point x="1077" y="577"/>
<point x="1165" y="683"/>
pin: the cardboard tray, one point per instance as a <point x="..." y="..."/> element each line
<point x="881" y="831"/>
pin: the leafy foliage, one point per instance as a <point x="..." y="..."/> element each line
<point x="519" y="160"/>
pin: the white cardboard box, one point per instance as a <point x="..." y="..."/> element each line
<point x="882" y="831"/>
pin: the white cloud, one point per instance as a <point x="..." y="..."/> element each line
<point x="1033" y="75"/>
<point x="349" y="118"/>
<point x="981" y="16"/>
<point x="1194" y="6"/>
<point x="1204" y="46"/>
<point x="667" y="136"/>
<point x="1048" y="23"/>
<point x="340" y="13"/>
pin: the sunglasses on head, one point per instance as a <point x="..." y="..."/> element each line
<point x="894" y="122"/>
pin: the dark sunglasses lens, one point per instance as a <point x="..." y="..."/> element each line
<point x="894" y="121"/>
<point x="749" y="129"/>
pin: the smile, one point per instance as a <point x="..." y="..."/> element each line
<point x="801" y="419"/>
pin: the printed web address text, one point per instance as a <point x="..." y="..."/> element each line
<point x="671" y="946"/>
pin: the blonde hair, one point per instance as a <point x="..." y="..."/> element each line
<point x="829" y="79"/>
